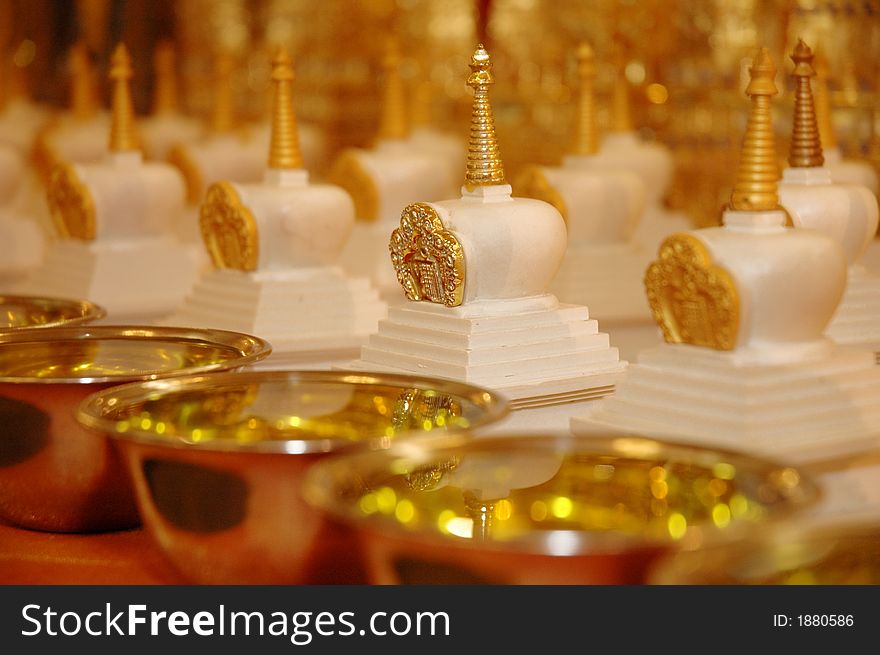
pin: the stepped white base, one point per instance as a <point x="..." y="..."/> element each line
<point x="366" y="255"/>
<point x="533" y="350"/>
<point x="316" y="310"/>
<point x="857" y="319"/>
<point x="819" y="407"/>
<point x="130" y="279"/>
<point x="607" y="278"/>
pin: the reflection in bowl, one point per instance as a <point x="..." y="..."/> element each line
<point x="791" y="554"/>
<point x="55" y="475"/>
<point x="545" y="509"/>
<point x="217" y="461"/>
<point x="28" y="312"/>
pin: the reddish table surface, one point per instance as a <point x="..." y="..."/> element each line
<point x="114" y="558"/>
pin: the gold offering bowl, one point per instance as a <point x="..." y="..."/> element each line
<point x="54" y="474"/>
<point x="27" y="312"/>
<point x="790" y="554"/>
<point x="549" y="509"/>
<point x="217" y="461"/>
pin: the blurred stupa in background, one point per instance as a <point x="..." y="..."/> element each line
<point x="166" y="126"/>
<point x="846" y="212"/>
<point x="115" y="220"/>
<point x="274" y="246"/>
<point x="383" y="179"/>
<point x="602" y="203"/>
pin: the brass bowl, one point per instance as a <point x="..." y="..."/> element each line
<point x="217" y="461"/>
<point x="549" y="509"/>
<point x="792" y="553"/>
<point x="28" y="312"/>
<point x="54" y="474"/>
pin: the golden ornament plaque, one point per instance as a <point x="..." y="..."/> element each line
<point x="71" y="204"/>
<point x="693" y="300"/>
<point x="229" y="229"/>
<point x="427" y="258"/>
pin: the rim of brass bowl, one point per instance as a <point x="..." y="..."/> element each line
<point x="249" y="349"/>
<point x="322" y="480"/>
<point x="72" y="312"/>
<point x="797" y="544"/>
<point x="92" y="413"/>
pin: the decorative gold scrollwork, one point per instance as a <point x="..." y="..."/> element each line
<point x="229" y="229"/>
<point x="427" y="257"/>
<point x="71" y="204"/>
<point x="693" y="300"/>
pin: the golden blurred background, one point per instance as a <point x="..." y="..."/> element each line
<point x="685" y="61"/>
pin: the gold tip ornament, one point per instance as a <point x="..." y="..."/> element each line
<point x="586" y="141"/>
<point x="83" y="97"/>
<point x="223" y="114"/>
<point x="284" y="149"/>
<point x="484" y="166"/>
<point x="822" y="99"/>
<point x="621" y="115"/>
<point x="165" y="90"/>
<point x="123" y="133"/>
<point x="393" y="120"/>
<point x="757" y="178"/>
<point x="806" y="146"/>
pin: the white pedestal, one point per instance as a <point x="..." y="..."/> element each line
<point x="857" y="319"/>
<point x="23" y="245"/>
<point x="144" y="278"/>
<point x="366" y="254"/>
<point x="308" y="315"/>
<point x="821" y="406"/>
<point x="533" y="350"/>
<point x="609" y="278"/>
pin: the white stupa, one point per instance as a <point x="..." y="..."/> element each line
<point x="167" y="126"/>
<point x="275" y="248"/>
<point x="382" y="180"/>
<point x="744" y="308"/>
<point x="476" y="270"/>
<point x="602" y="203"/>
<point x="114" y="221"/>
<point x="845" y="212"/>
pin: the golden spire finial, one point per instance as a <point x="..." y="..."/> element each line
<point x="822" y="99"/>
<point x="123" y="134"/>
<point x="586" y="140"/>
<point x="223" y="114"/>
<point x="621" y="117"/>
<point x="284" y="147"/>
<point x="83" y="100"/>
<point x="756" y="180"/>
<point x="392" y="123"/>
<point x="806" y="147"/>
<point x="484" y="167"/>
<point x="165" y="79"/>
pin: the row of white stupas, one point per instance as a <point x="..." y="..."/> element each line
<point x="745" y="307"/>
